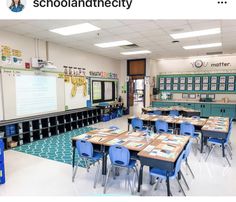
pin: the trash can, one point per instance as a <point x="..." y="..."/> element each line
<point x="2" y="171"/>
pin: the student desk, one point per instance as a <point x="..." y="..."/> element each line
<point x="103" y="138"/>
<point x="215" y="127"/>
<point x="166" y="110"/>
<point x="97" y="137"/>
<point x="154" y="155"/>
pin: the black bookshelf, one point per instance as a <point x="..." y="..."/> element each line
<point x="35" y="128"/>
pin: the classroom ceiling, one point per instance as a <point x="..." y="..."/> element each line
<point x="153" y="35"/>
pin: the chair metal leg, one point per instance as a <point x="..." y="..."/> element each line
<point x="156" y="185"/>
<point x="212" y="147"/>
<point x="75" y="171"/>
<point x="228" y="149"/>
<point x="105" y="185"/>
<point x="185" y="182"/>
<point x="227" y="160"/>
<point x="181" y="187"/>
<point x="96" y="175"/>
<point x="134" y="179"/>
<point x="189" y="168"/>
<point x="230" y="146"/>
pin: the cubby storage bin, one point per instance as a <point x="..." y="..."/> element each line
<point x="29" y="129"/>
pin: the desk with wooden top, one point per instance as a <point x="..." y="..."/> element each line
<point x="188" y="112"/>
<point x="215" y="127"/>
<point x="162" y="153"/>
<point x="97" y="137"/>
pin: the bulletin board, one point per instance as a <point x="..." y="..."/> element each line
<point x="202" y="83"/>
<point x="79" y="98"/>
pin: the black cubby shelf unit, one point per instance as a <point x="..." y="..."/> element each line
<point x="35" y="128"/>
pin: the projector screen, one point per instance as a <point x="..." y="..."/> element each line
<point x="35" y="94"/>
<point x="26" y="93"/>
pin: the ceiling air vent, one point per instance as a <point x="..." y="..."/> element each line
<point x="215" y="53"/>
<point x="130" y="46"/>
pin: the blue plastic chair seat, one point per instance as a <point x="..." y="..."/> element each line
<point x="96" y="156"/>
<point x="131" y="163"/>
<point x="216" y="141"/>
<point x="195" y="135"/>
<point x="161" y="173"/>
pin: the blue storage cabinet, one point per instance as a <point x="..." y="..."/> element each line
<point x="2" y="170"/>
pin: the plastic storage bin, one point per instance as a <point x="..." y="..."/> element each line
<point x="2" y="171"/>
<point x="10" y="130"/>
<point x="105" y="117"/>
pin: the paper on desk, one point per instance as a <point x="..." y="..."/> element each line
<point x="97" y="139"/>
<point x="134" y="134"/>
<point x="162" y="153"/>
<point x="134" y="139"/>
<point x="116" y="141"/>
<point x="149" y="148"/>
<point x="118" y="131"/>
<point x="135" y="144"/>
<point x="84" y="136"/>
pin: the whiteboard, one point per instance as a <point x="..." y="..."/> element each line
<point x="35" y="94"/>
<point x="35" y="83"/>
<point x="79" y="100"/>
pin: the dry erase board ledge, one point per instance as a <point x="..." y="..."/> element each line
<point x="194" y="101"/>
<point x="31" y="70"/>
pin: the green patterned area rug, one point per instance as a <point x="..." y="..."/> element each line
<point x="57" y="148"/>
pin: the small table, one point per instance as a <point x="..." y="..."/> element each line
<point x="154" y="155"/>
<point x="215" y="127"/>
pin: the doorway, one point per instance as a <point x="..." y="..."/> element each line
<point x="136" y="70"/>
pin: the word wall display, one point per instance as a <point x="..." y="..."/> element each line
<point x="200" y="83"/>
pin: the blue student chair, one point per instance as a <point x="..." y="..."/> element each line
<point x="187" y="128"/>
<point x="85" y="151"/>
<point x="137" y="124"/>
<point x="220" y="142"/>
<point x="161" y="126"/>
<point x="157" y="112"/>
<point x="120" y="158"/>
<point x="186" y="154"/>
<point x="174" y="113"/>
<point x="160" y="174"/>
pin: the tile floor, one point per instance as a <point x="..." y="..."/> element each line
<point x="28" y="175"/>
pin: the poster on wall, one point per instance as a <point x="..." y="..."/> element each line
<point x="16" y="57"/>
<point x="190" y="87"/>
<point x="222" y="79"/>
<point x="213" y="79"/>
<point x="205" y="86"/>
<point x="162" y="80"/>
<point x="213" y="86"/>
<point x="175" y="87"/>
<point x="6" y="55"/>
<point x="168" y="87"/>
<point x="231" y="79"/>
<point x="198" y="79"/>
<point x="176" y="80"/>
<point x="190" y="79"/>
<point x="231" y="87"/>
<point x="168" y="80"/>
<point x="222" y="87"/>
<point x="205" y="79"/>
<point x="162" y="87"/>
<point x="182" y="80"/>
<point x="182" y="86"/>
<point x="197" y="87"/>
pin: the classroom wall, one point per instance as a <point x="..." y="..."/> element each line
<point x="59" y="55"/>
<point x="182" y="66"/>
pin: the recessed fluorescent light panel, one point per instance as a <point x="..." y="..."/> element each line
<point x="136" y="52"/>
<point x="211" y="45"/>
<point x="113" y="44"/>
<point x="205" y="32"/>
<point x="75" y="29"/>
